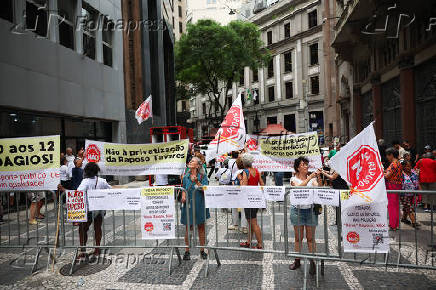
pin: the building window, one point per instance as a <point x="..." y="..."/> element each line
<point x="6" y="10"/>
<point x="90" y="16"/>
<point x="271" y="94"/>
<point x="241" y="78"/>
<point x="66" y="23"/>
<point x="313" y="19"/>
<point x="180" y="12"/>
<point x="270" y="69"/>
<point x="269" y="37"/>
<point x="287" y="30"/>
<point x="180" y="27"/>
<point x="314" y="85"/>
<point x="289" y="123"/>
<point x="314" y="54"/>
<point x="271" y="120"/>
<point x="256" y="96"/>
<point x="108" y="28"/>
<point x="204" y="108"/>
<point x="255" y="75"/>
<point x="288" y="61"/>
<point x="36" y="17"/>
<point x="289" y="90"/>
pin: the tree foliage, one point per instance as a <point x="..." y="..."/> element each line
<point x="210" y="57"/>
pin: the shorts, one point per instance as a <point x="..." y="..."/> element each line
<point x="250" y="213"/>
<point x="36" y="196"/>
<point x="429" y="198"/>
<point x="305" y="217"/>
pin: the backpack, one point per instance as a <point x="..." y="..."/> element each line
<point x="226" y="177"/>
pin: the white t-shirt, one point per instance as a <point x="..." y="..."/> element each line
<point x="90" y="183"/>
<point x="64" y="173"/>
<point x="298" y="181"/>
<point x="233" y="167"/>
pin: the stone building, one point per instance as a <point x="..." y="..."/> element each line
<point x="386" y="68"/>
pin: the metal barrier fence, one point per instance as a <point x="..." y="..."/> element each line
<point x="53" y="232"/>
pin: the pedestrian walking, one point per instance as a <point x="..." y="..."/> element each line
<point x="394" y="181"/>
<point x="251" y="176"/>
<point x="410" y="183"/>
<point x="303" y="217"/>
<point x="92" y="181"/>
<point x="193" y="181"/>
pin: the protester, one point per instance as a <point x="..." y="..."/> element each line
<point x="337" y="182"/>
<point x="410" y="183"/>
<point x="37" y="200"/>
<point x="192" y="181"/>
<point x="70" y="159"/>
<point x="237" y="212"/>
<point x="233" y="171"/>
<point x="427" y="179"/>
<point x="394" y="180"/>
<point x="77" y="174"/>
<point x="332" y="151"/>
<point x="202" y="160"/>
<point x="63" y="171"/>
<point x="409" y="148"/>
<point x="251" y="176"/>
<point x="303" y="216"/>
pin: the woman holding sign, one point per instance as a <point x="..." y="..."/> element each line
<point x="92" y="181"/>
<point x="303" y="216"/>
<point x="192" y="181"/>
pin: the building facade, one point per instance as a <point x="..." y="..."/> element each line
<point x="56" y="79"/>
<point x="218" y="10"/>
<point x="386" y="68"/>
<point x="149" y="64"/>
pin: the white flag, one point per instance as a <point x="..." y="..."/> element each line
<point x="231" y="135"/>
<point x="144" y="111"/>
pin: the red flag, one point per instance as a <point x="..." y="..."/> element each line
<point x="144" y="111"/>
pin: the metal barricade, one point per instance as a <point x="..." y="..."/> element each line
<point x="332" y="250"/>
<point x="116" y="235"/>
<point x="20" y="229"/>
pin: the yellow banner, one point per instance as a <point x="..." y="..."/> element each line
<point x="145" y="154"/>
<point x="30" y="153"/>
<point x="157" y="190"/>
<point x="290" y="146"/>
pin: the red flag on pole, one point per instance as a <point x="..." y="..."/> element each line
<point x="144" y="111"/>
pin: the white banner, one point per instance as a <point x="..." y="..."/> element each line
<point x="364" y="228"/>
<point x="359" y="162"/>
<point x="114" y="199"/>
<point x="234" y="197"/>
<point x="277" y="153"/>
<point x="274" y="193"/>
<point x="138" y="159"/>
<point x="30" y="163"/>
<point x="326" y="197"/>
<point x="158" y="213"/>
<point x="76" y="206"/>
<point x="301" y="196"/>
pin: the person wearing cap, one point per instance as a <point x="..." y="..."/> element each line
<point x="427" y="179"/>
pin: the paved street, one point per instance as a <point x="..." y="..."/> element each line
<point x="239" y="270"/>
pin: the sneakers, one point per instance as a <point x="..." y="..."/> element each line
<point x="233" y="228"/>
<point x="187" y="256"/>
<point x="33" y="222"/>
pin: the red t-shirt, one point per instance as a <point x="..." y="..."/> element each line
<point x="253" y="180"/>
<point x="427" y="170"/>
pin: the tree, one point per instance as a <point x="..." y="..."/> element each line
<point x="210" y="57"/>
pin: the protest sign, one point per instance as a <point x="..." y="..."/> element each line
<point x="363" y="208"/>
<point x="76" y="206"/>
<point x="30" y="163"/>
<point x="114" y="199"/>
<point x="301" y="196"/>
<point x="364" y="228"/>
<point x="326" y="197"/>
<point x="274" y="193"/>
<point x="157" y="213"/>
<point x="138" y="159"/>
<point x="277" y="153"/>
<point x="234" y="197"/>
